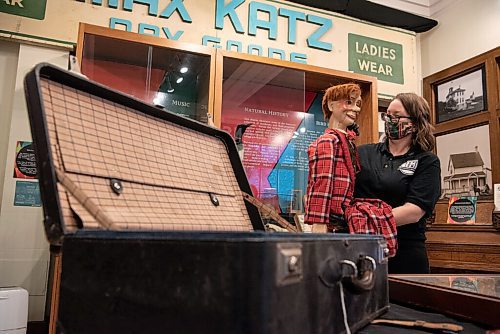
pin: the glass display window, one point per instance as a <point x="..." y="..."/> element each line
<point x="172" y="76"/>
<point x="273" y="110"/>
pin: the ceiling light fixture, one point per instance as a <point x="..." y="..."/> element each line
<point x="166" y="84"/>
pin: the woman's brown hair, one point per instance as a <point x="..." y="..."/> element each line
<point x="337" y="93"/>
<point x="420" y="112"/>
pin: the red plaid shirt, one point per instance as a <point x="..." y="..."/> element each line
<point x="373" y="216"/>
<point x="330" y="191"/>
<point x="331" y="177"/>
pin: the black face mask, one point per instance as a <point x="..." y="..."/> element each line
<point x="398" y="129"/>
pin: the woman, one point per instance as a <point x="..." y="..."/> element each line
<point x="403" y="172"/>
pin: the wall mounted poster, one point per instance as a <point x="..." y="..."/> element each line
<point x="462" y="210"/>
<point x="25" y="162"/>
<point x="27" y="194"/>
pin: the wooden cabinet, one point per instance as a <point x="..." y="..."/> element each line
<point x="175" y="76"/>
<point x="475" y="247"/>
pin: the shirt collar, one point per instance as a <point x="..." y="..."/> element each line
<point x="349" y="134"/>
<point x="384" y="148"/>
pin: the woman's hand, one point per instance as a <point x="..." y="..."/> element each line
<point x="407" y="214"/>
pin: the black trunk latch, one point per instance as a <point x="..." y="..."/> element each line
<point x="214" y="199"/>
<point x="116" y="186"/>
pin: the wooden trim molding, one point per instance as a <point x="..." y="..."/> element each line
<point x="85" y="28"/>
<point x="473" y="307"/>
<point x="464" y="250"/>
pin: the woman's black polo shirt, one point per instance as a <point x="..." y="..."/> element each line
<point x="414" y="177"/>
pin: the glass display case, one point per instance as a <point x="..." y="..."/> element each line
<point x="475" y="298"/>
<point x="272" y="108"/>
<point x="278" y="104"/>
<point x="172" y="76"/>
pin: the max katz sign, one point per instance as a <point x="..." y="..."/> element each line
<point x="269" y="28"/>
<point x="247" y="19"/>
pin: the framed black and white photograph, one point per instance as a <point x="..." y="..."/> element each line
<point x="463" y="95"/>
<point x="465" y="163"/>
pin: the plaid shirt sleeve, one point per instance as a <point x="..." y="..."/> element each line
<point x="322" y="157"/>
<point x="373" y="216"/>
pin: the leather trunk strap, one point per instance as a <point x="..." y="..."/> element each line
<point x="419" y="323"/>
<point x="87" y="202"/>
<point x="263" y="208"/>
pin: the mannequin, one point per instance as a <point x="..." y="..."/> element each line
<point x="333" y="165"/>
<point x="333" y="160"/>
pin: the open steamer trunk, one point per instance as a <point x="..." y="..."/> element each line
<point x="155" y="235"/>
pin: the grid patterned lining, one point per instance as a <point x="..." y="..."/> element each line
<point x="166" y="170"/>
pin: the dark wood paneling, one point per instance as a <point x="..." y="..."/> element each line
<point x="490" y="60"/>
<point x="477" y="247"/>
<point x="466" y="250"/>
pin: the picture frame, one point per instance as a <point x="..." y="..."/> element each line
<point x="466" y="172"/>
<point x="461" y="95"/>
<point x="465" y="158"/>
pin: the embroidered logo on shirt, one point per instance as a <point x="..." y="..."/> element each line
<point x="409" y="167"/>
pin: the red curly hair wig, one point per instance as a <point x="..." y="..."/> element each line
<point x="337" y="93"/>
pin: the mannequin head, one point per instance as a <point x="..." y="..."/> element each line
<point x="341" y="105"/>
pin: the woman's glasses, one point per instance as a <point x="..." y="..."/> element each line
<point x="394" y="118"/>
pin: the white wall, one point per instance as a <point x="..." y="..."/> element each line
<point x="8" y="65"/>
<point x="466" y="28"/>
<point x="24" y="250"/>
